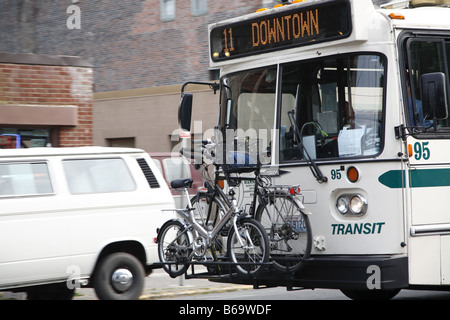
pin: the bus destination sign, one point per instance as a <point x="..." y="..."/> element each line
<point x="299" y="26"/>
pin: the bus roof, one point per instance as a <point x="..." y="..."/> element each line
<point x="422" y="17"/>
<point x="312" y="23"/>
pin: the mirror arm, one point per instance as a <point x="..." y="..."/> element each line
<point x="213" y="85"/>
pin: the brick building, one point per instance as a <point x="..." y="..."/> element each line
<point x="142" y="51"/>
<point x="45" y="100"/>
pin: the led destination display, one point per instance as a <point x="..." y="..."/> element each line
<point x="301" y="25"/>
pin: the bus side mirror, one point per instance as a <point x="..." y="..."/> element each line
<point x="434" y="96"/>
<point x="185" y="111"/>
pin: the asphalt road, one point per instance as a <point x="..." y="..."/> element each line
<point x="159" y="286"/>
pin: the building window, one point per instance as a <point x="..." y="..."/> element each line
<point x="198" y="7"/>
<point x="167" y="10"/>
<point x="11" y="138"/>
<point x="121" y="142"/>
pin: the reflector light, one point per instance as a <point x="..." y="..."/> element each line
<point x="294" y="191"/>
<point x="352" y="174"/>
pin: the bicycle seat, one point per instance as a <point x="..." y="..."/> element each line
<point x="181" y="183"/>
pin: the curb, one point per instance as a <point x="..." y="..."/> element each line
<point x="193" y="291"/>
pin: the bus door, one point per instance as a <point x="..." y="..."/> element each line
<point x="428" y="133"/>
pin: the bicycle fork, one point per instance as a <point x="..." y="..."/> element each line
<point x="244" y="240"/>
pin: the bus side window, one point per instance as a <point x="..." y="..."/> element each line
<point x="425" y="56"/>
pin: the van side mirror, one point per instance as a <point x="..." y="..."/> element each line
<point x="434" y="96"/>
<point x="185" y="111"/>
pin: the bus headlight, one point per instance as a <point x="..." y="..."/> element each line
<point x="354" y="204"/>
<point x="342" y="204"/>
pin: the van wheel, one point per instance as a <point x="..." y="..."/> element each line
<point x="58" y="291"/>
<point x="119" y="276"/>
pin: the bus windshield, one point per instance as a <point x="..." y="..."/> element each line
<point x="338" y="104"/>
<point x="248" y="109"/>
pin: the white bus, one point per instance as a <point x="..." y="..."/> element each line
<point x="370" y="90"/>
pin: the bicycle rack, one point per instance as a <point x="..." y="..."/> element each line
<point x="224" y="272"/>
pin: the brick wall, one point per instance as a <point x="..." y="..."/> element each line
<point x="130" y="45"/>
<point x="80" y="82"/>
<point x="54" y="90"/>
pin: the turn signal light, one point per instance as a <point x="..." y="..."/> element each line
<point x="397" y="16"/>
<point x="410" y="150"/>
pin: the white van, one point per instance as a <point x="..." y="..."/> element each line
<point x="72" y="217"/>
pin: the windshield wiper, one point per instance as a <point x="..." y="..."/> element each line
<point x="312" y="165"/>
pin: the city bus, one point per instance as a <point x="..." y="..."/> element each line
<point x="366" y="88"/>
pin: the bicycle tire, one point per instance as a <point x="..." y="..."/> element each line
<point x="174" y="248"/>
<point x="288" y="230"/>
<point x="249" y="261"/>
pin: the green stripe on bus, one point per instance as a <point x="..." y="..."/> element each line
<point x="392" y="179"/>
<point x="420" y="178"/>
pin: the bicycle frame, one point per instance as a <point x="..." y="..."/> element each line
<point x="232" y="213"/>
<point x="258" y="194"/>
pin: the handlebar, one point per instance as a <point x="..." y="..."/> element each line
<point x="232" y="162"/>
<point x="205" y="149"/>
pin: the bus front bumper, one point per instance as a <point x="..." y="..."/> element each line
<point x="336" y="272"/>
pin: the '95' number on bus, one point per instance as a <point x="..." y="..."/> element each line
<point x="421" y="151"/>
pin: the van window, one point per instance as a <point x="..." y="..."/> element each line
<point x="24" y="179"/>
<point x="98" y="176"/>
<point x="176" y="168"/>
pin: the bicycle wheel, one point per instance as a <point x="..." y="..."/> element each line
<point x="288" y="229"/>
<point x="250" y="256"/>
<point x="174" y="248"/>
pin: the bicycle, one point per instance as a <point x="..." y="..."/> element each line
<point x="185" y="239"/>
<point x="277" y="207"/>
<point x="286" y="221"/>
